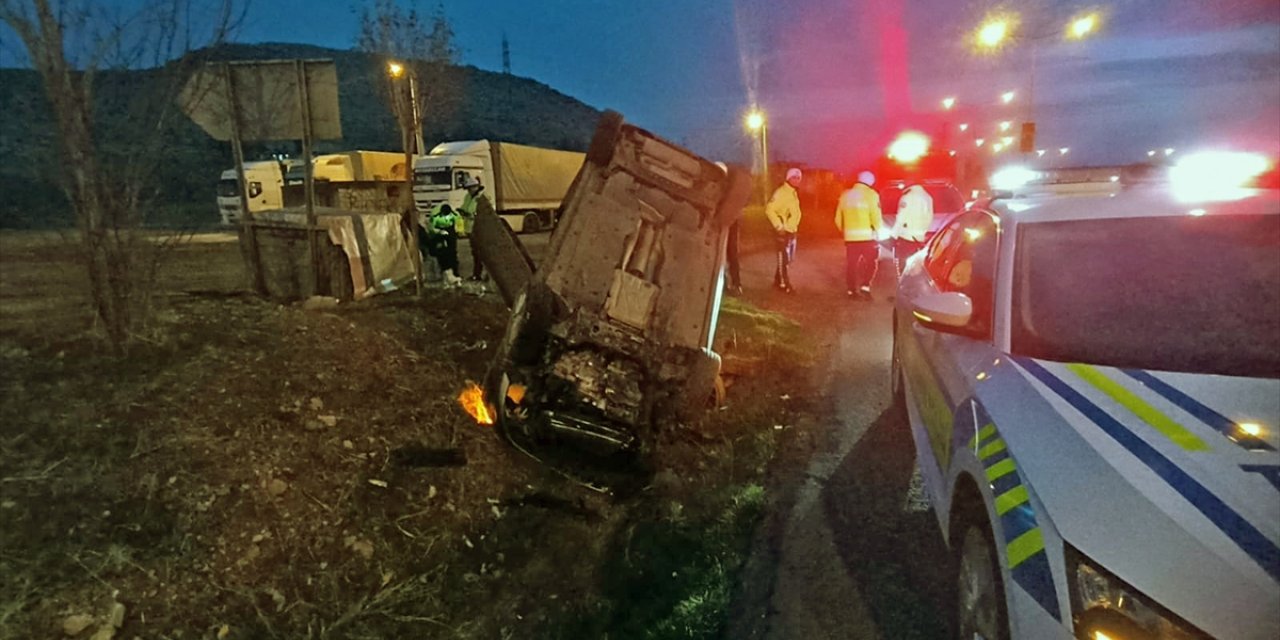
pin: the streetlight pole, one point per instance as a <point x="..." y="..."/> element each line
<point x="417" y="118"/>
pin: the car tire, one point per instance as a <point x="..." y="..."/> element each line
<point x="980" y="611"/>
<point x="530" y="223"/>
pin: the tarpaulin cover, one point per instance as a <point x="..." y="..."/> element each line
<point x="533" y="178"/>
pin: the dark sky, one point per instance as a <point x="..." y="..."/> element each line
<point x="839" y="77"/>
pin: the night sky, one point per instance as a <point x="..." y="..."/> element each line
<point x="839" y="77"/>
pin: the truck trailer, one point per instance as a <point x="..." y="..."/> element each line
<point x="527" y="185"/>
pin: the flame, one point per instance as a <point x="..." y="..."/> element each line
<point x="472" y="399"/>
<point x="515" y="393"/>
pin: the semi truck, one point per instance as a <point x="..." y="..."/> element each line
<point x="266" y="188"/>
<point x="526" y="185"/>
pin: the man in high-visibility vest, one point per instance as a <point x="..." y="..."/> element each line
<point x="858" y="217"/>
<point x="915" y="216"/>
<point x="783" y="212"/>
<point x="467" y="221"/>
<point x="442" y="241"/>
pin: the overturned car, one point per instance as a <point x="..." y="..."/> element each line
<point x="611" y="336"/>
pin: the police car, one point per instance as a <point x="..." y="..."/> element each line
<point x="1093" y="387"/>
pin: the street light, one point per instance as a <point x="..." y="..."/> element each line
<point x="1004" y="126"/>
<point x="397" y="71"/>
<point x="1040" y="153"/>
<point x="758" y="124"/>
<point x="964" y="126"/>
<point x="997" y="147"/>
<point x="980" y="141"/>
<point x="1168" y="151"/>
<point x="993" y="32"/>
<point x="1008" y="96"/>
<point x="1083" y="26"/>
<point x="1151" y="153"/>
<point x="948" y="102"/>
<point x="1064" y="151"/>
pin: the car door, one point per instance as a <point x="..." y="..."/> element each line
<point x="936" y="361"/>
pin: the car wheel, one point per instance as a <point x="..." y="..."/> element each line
<point x="531" y="223"/>
<point x="980" y="605"/>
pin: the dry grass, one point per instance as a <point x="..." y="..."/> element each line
<point x="249" y="472"/>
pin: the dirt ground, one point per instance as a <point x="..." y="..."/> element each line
<point x="261" y="470"/>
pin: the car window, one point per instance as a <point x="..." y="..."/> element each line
<point x="255" y="189"/>
<point x="1187" y="294"/>
<point x="460" y="179"/>
<point x="963" y="260"/>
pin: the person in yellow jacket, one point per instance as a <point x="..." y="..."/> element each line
<point x="858" y="217"/>
<point x="783" y="212"/>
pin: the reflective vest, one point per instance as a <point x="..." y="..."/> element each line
<point x="915" y="215"/>
<point x="858" y="214"/>
<point x="783" y="210"/>
<point x="443" y="219"/>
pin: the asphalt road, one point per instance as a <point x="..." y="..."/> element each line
<point x="856" y="548"/>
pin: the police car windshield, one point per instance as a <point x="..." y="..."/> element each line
<point x="1189" y="294"/>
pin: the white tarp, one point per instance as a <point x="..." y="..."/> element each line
<point x="378" y="253"/>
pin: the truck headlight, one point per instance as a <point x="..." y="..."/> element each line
<point x="1105" y="608"/>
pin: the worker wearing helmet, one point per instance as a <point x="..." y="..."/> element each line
<point x="858" y="217"/>
<point x="915" y="216"/>
<point x="467" y="221"/>
<point x="783" y="212"/>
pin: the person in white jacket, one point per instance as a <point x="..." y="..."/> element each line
<point x="915" y="216"/>
<point x="783" y="212"/>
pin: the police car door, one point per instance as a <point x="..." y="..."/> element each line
<point x="962" y="259"/>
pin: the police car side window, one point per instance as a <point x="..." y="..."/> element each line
<point x="937" y="261"/>
<point x="969" y="267"/>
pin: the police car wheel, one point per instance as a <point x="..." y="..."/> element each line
<point x="980" y="608"/>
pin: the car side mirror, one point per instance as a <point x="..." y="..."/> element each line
<point x="943" y="310"/>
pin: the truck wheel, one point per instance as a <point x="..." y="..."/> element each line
<point x="608" y="130"/>
<point x="531" y="223"/>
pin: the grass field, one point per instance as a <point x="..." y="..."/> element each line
<point x="258" y="470"/>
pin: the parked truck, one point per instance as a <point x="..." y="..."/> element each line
<point x="266" y="188"/>
<point x="526" y="184"/>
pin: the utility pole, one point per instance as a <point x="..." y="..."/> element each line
<point x="506" y="54"/>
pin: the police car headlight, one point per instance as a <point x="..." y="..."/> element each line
<point x="1107" y="609"/>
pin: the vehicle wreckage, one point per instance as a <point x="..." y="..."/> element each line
<point x="610" y="337"/>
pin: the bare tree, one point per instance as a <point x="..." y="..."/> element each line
<point x="107" y="176"/>
<point x="424" y="46"/>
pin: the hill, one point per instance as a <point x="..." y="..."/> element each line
<point x="482" y="104"/>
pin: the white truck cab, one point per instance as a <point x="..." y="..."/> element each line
<point x="266" y="188"/>
<point x="439" y="177"/>
<point x="526" y="184"/>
